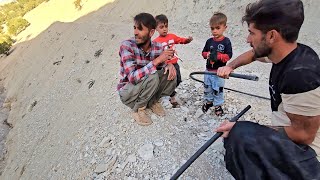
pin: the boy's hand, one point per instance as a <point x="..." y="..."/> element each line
<point x="165" y="55"/>
<point x="189" y="39"/>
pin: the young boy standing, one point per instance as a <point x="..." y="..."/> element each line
<point x="168" y="40"/>
<point x="217" y="51"/>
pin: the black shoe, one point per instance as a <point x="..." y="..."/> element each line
<point x="218" y="111"/>
<point x="206" y="107"/>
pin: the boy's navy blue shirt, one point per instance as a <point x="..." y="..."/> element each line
<point x="221" y="46"/>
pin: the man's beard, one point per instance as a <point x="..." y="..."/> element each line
<point x="143" y="40"/>
<point x="262" y="50"/>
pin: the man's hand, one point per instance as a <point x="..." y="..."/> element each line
<point x="189" y="39"/>
<point x="225" y="127"/>
<point x="224" y="71"/>
<point x="172" y="71"/>
<point x="165" y="55"/>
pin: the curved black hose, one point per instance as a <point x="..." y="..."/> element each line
<point x="253" y="95"/>
<point x="205" y="146"/>
<point x="235" y="75"/>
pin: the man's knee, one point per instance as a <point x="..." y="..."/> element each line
<point x="169" y="83"/>
<point x="243" y="132"/>
<point x="152" y="79"/>
<point x="131" y="92"/>
<point x="150" y="86"/>
<point x="242" y="128"/>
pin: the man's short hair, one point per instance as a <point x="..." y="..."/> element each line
<point x="146" y="19"/>
<point x="161" y="19"/>
<point x="284" y="16"/>
<point x="218" y="18"/>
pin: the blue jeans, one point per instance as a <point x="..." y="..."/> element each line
<point x="213" y="89"/>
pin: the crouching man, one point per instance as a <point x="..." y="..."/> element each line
<point x="145" y="77"/>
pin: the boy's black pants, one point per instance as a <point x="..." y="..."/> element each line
<point x="178" y="77"/>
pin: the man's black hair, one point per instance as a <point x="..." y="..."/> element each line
<point x="284" y="16"/>
<point x="145" y="19"/>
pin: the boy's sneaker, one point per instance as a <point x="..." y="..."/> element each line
<point x="206" y="107"/>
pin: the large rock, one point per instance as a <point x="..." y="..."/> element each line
<point x="146" y="152"/>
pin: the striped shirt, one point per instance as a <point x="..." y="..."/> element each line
<point x="135" y="64"/>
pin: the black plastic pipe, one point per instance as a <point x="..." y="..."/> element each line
<point x="205" y="146"/>
<point x="235" y="75"/>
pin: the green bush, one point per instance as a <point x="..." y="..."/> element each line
<point x="28" y="7"/>
<point x="2" y="18"/>
<point x="17" y="8"/>
<point x="16" y="25"/>
<point x="5" y="44"/>
<point x="11" y="14"/>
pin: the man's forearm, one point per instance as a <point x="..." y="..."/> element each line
<point x="303" y="129"/>
<point x="243" y="59"/>
<point x="299" y="136"/>
<point x="156" y="62"/>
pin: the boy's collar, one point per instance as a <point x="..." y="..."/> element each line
<point x="219" y="39"/>
<point x="164" y="36"/>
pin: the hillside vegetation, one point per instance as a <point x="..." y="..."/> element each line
<point x="12" y="21"/>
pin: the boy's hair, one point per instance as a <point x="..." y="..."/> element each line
<point x="146" y="19"/>
<point x="218" y="18"/>
<point x="161" y="19"/>
<point x="285" y="16"/>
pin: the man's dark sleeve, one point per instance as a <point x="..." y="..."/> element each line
<point x="300" y="80"/>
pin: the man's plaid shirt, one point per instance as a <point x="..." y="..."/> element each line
<point x="135" y="64"/>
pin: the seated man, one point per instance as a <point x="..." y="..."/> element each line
<point x="145" y="78"/>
